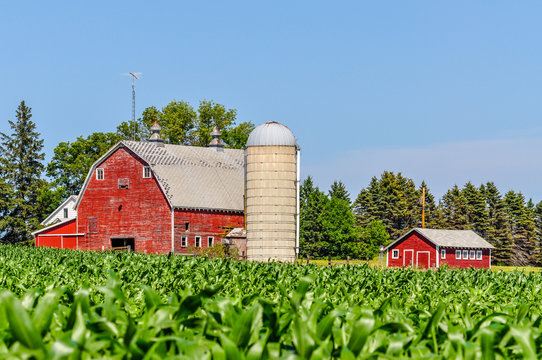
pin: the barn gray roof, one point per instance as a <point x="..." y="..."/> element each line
<point x="450" y="238"/>
<point x="190" y="176"/>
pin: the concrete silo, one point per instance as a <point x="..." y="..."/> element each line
<point x="272" y="193"/>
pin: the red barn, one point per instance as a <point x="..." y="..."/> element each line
<point x="156" y="198"/>
<point x="432" y="248"/>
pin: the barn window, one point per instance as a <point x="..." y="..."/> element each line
<point x="92" y="225"/>
<point x="186" y="226"/>
<point x="478" y="254"/>
<point x="395" y="254"/>
<point x="472" y="254"/>
<point x="465" y="254"/>
<point x="146" y="172"/>
<point x="443" y="254"/>
<point x="99" y="174"/>
<point x="124" y="183"/>
<point x="183" y="241"/>
<point x="458" y="254"/>
<point x="65" y="213"/>
<point x="210" y="240"/>
<point x="198" y="241"/>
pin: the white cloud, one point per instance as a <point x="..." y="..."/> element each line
<point x="512" y="164"/>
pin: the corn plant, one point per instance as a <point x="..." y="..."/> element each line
<point x="61" y="304"/>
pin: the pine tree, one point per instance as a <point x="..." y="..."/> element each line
<point x="21" y="166"/>
<point x="475" y="208"/>
<point x="522" y="227"/>
<point x="312" y="202"/>
<point x="338" y="190"/>
<point x="365" y="206"/>
<point x="393" y="199"/>
<point x="498" y="229"/>
<point x="453" y="208"/>
<point x="538" y="233"/>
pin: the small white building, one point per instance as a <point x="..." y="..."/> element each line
<point x="64" y="212"/>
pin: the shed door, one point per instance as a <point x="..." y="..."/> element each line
<point x="408" y="257"/>
<point x="423" y="259"/>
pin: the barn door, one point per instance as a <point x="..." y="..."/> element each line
<point x="408" y="257"/>
<point x="123" y="244"/>
<point x="422" y="259"/>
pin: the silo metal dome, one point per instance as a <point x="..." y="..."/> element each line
<point x="271" y="134"/>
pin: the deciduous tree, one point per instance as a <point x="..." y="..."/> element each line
<point x="71" y="161"/>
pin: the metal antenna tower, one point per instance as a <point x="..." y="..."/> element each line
<point x="135" y="76"/>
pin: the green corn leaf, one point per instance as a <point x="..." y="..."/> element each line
<point x="524" y="337"/>
<point x="346" y="354"/>
<point x="360" y="332"/>
<point x="323" y="329"/>
<point x="301" y="338"/>
<point x="487" y="339"/>
<point x="21" y="326"/>
<point x="152" y="300"/>
<point x="45" y="309"/>
<point x="232" y="352"/>
<point x="256" y="351"/>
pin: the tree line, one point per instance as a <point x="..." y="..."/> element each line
<point x="333" y="225"/>
<point x="30" y="190"/>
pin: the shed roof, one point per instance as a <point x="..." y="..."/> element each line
<point x="190" y="176"/>
<point x="449" y="238"/>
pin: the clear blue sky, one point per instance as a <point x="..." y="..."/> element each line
<point x="442" y="91"/>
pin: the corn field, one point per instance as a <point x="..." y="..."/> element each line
<point x="62" y="304"/>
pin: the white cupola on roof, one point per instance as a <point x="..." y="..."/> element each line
<point x="155" y="134"/>
<point x="271" y="134"/>
<point x="216" y="142"/>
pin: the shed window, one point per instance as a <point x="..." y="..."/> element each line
<point x="465" y="254"/>
<point x="443" y="254"/>
<point x="183" y="241"/>
<point x="478" y="254"/>
<point x="395" y="254"/>
<point x="458" y="254"/>
<point x="210" y="241"/>
<point x="198" y="241"/>
<point x="472" y="254"/>
<point x="146" y="172"/>
<point x="99" y="174"/>
<point x="65" y="213"/>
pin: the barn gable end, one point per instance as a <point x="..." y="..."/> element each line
<point x="120" y="203"/>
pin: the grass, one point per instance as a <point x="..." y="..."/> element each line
<point x="375" y="263"/>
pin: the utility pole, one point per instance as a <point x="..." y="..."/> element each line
<point x="423" y="208"/>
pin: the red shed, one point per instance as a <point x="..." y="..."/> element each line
<point x="425" y="248"/>
<point x="156" y="197"/>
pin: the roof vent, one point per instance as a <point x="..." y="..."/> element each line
<point x="216" y="142"/>
<point x="155" y="136"/>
